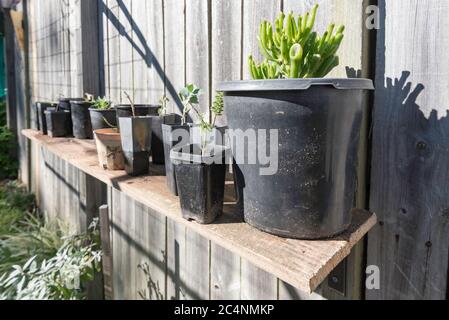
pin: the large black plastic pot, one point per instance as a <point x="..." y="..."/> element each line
<point x="201" y="182"/>
<point x="157" y="143"/>
<point x="174" y="135"/>
<point x="41" y="107"/>
<point x="82" y="126"/>
<point x="58" y="123"/>
<point x="136" y="143"/>
<point x="311" y="194"/>
<point x="103" y="119"/>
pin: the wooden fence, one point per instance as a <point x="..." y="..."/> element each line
<point x="156" y="47"/>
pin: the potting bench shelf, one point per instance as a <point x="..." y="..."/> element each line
<point x="303" y="264"/>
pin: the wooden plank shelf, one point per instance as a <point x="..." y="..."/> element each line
<point x="302" y="264"/>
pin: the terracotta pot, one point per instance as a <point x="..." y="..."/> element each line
<point x="109" y="147"/>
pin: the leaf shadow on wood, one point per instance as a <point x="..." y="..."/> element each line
<point x="138" y="42"/>
<point x="409" y="168"/>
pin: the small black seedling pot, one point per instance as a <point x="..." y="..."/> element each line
<point x="35" y="117"/>
<point x="157" y="140"/>
<point x="64" y="104"/>
<point x="58" y="123"/>
<point x="201" y="181"/>
<point x="142" y="110"/>
<point x="82" y="126"/>
<point x="103" y="119"/>
<point x="174" y="135"/>
<point x="42" y="121"/>
<point x="135" y="135"/>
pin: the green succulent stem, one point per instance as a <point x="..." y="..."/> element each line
<point x="291" y="49"/>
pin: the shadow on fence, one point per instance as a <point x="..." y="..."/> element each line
<point x="146" y="53"/>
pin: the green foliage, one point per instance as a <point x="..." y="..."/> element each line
<point x="15" y="204"/>
<point x="8" y="165"/>
<point x="3" y="113"/>
<point x="30" y="237"/>
<point x="293" y="50"/>
<point x="190" y="98"/>
<point x="41" y="260"/>
<point x="218" y="104"/>
<point x="101" y="104"/>
<point x="59" y="277"/>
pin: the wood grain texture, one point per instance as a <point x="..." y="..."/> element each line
<point x="226" y="43"/>
<point x="175" y="50"/>
<point x="303" y="264"/>
<point x="254" y="12"/>
<point x="155" y="51"/>
<point x="410" y="172"/>
<point x="106" y="247"/>
<point x="225" y="272"/>
<point x="198" y="56"/>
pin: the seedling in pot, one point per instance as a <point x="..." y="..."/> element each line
<point x="131" y="101"/>
<point x="190" y="99"/>
<point x="136" y="135"/>
<point x="200" y="169"/>
<point x="293" y="50"/>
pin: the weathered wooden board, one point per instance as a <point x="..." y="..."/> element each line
<point x="410" y="148"/>
<point x="303" y="264"/>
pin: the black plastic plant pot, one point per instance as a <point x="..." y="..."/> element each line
<point x="174" y="135"/>
<point x="201" y="182"/>
<point x="142" y="110"/>
<point x="136" y="135"/>
<point x="306" y="188"/>
<point x="58" y="123"/>
<point x="41" y="107"/>
<point x="103" y="119"/>
<point x="64" y="104"/>
<point x="157" y="143"/>
<point x="35" y="117"/>
<point x="82" y="126"/>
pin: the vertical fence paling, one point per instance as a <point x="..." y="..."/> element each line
<point x="410" y="171"/>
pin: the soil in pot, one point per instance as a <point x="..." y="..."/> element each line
<point x="103" y="119"/>
<point x="201" y="182"/>
<point x="136" y="143"/>
<point x="310" y="189"/>
<point x="58" y="123"/>
<point x="42" y="120"/>
<point x="174" y="135"/>
<point x="157" y="140"/>
<point x="82" y="126"/>
<point x="109" y="148"/>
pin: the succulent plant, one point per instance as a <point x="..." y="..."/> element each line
<point x="293" y="50"/>
<point x="101" y="104"/>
